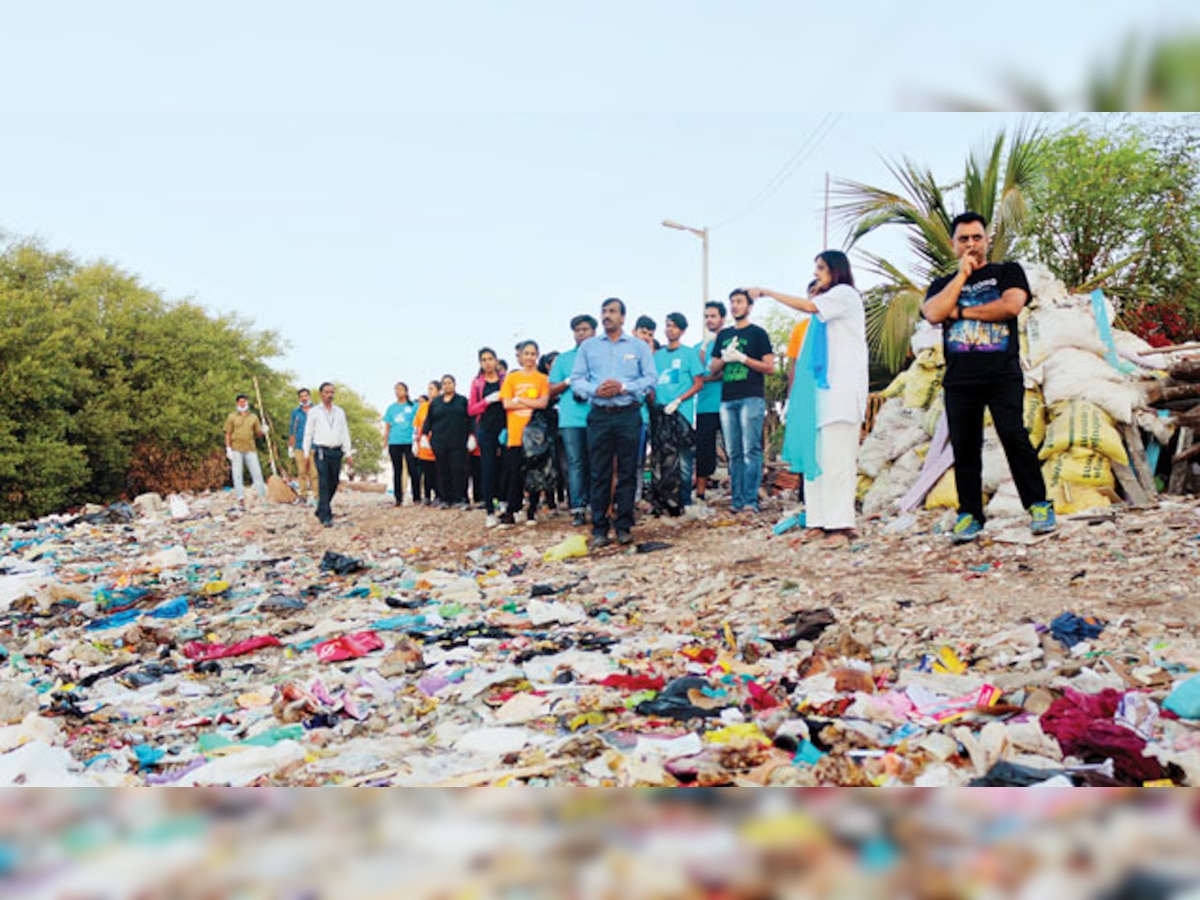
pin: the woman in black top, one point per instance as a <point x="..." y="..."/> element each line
<point x="448" y="424"/>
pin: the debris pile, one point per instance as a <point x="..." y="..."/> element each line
<point x="192" y="644"/>
<point x="1089" y="410"/>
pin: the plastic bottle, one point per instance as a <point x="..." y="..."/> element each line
<point x="796" y="520"/>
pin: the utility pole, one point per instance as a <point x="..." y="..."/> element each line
<point x="701" y="233"/>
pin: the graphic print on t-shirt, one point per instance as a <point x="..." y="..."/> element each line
<point x="736" y="371"/>
<point x="971" y="336"/>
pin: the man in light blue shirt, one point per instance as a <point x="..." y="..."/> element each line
<point x="680" y="379"/>
<point x="572" y="419"/>
<point x="614" y="372"/>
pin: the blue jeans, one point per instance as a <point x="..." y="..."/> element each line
<point x="742" y="425"/>
<point x="576" y="444"/>
<point x="687" y="465"/>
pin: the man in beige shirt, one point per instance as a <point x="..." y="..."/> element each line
<point x="241" y="428"/>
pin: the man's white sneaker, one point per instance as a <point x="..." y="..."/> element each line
<point x="491" y="522"/>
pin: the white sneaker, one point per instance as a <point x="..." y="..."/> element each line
<point x="531" y="521"/>
<point x="490" y="523"/>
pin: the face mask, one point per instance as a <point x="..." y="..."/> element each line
<point x="242" y="408"/>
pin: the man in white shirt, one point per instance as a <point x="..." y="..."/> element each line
<point x="327" y="438"/>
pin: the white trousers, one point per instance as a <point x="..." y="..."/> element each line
<point x="829" y="499"/>
<point x="251" y="461"/>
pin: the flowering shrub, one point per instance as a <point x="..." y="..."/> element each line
<point x="1159" y="325"/>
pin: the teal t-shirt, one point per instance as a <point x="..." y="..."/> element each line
<point x="399" y="417"/>
<point x="709" y="398"/>
<point x="676" y="371"/>
<point x="571" y="412"/>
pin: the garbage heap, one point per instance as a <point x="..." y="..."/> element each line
<point x="190" y="644"/>
<point x="1085" y="400"/>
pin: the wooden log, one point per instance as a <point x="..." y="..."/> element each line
<point x="1179" y="466"/>
<point x="369" y="487"/>
<point x="1186" y="370"/>
<point x="1137" y="459"/>
<point x="1168" y="390"/>
<point x="1131" y="488"/>
<point x="1180" y="405"/>
<point x="1176" y="348"/>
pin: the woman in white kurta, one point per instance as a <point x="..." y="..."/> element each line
<point x="829" y="498"/>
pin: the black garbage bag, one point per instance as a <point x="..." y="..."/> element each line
<point x="670" y="436"/>
<point x="119" y="513"/>
<point x="673" y="701"/>
<point x="537" y="442"/>
<point x="339" y="564"/>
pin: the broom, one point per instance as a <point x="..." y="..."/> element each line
<point x="278" y="490"/>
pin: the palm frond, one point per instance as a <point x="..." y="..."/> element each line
<point x="891" y="317"/>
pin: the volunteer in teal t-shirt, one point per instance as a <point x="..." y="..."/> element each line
<point x="572" y="420"/>
<point x="708" y="401"/>
<point x="680" y="379"/>
<point x="398" y="425"/>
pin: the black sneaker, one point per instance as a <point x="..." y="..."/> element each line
<point x="624" y="538"/>
<point x="600" y="540"/>
<point x="507" y="519"/>
<point x="578" y="519"/>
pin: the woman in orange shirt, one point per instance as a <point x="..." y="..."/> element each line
<point x="426" y="461"/>
<point x="523" y="391"/>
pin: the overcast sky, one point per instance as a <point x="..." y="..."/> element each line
<point x="391" y="185"/>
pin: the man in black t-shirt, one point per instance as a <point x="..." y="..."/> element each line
<point x="977" y="308"/>
<point x="742" y="355"/>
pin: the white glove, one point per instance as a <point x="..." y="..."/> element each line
<point x="494" y="397"/>
<point x="732" y="354"/>
<point x="671" y="408"/>
<point x="424" y="443"/>
<point x="471" y="443"/>
<point x="229" y="454"/>
<point x="266" y="429"/>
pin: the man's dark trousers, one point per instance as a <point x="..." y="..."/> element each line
<point x="613" y="434"/>
<point x="964" y="414"/>
<point x="328" y="461"/>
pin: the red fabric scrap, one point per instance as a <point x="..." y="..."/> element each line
<point x="202" y="650"/>
<point x="634" y="682"/>
<point x="760" y="697"/>
<point x="1084" y="727"/>
<point x="348" y="646"/>
<point x="700" y="654"/>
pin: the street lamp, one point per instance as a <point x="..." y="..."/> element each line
<point x="701" y="233"/>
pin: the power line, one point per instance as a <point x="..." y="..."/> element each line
<point x="806" y="149"/>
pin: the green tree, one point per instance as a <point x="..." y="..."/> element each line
<point x="365" y="433"/>
<point x="107" y="389"/>
<point x="1117" y="206"/>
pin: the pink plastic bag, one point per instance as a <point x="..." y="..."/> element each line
<point x="348" y="646"/>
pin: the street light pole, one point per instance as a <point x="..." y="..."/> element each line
<point x="701" y="233"/>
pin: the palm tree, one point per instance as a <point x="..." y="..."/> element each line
<point x="995" y="184"/>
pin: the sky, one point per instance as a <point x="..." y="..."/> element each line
<point x="390" y="187"/>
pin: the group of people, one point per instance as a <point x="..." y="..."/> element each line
<point x="576" y="425"/>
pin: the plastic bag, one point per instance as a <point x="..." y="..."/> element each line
<point x="572" y="547"/>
